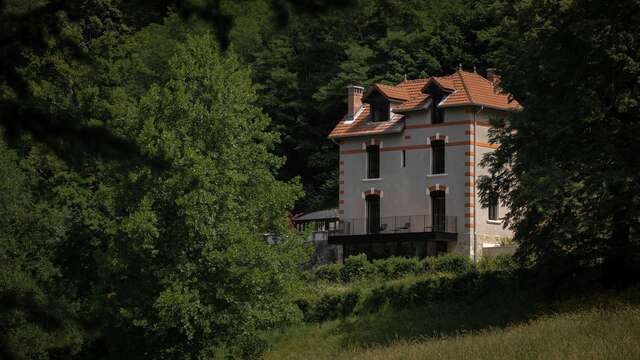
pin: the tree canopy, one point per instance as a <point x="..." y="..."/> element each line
<point x="567" y="167"/>
<point x="146" y="215"/>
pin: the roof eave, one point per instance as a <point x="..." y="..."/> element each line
<point x="395" y="130"/>
<point x="478" y="104"/>
<point x="425" y="106"/>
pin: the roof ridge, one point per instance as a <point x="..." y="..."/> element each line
<point x="412" y="80"/>
<point x="481" y="77"/>
<point x="382" y="87"/>
<point x="464" y="85"/>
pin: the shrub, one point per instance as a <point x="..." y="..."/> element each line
<point x="396" y="267"/>
<point x="451" y="263"/>
<point x="500" y="263"/>
<point x="409" y="292"/>
<point x="327" y="308"/>
<point x="356" y="267"/>
<point x="349" y="302"/>
<point x="440" y="286"/>
<point x="305" y="307"/>
<point x="331" y="306"/>
<point x="329" y="272"/>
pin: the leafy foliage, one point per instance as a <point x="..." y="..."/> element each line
<point x="358" y="268"/>
<point x="452" y="278"/>
<point x="159" y="243"/>
<point x="36" y="316"/>
<point x="567" y="167"/>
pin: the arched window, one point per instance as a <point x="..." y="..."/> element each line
<point x="438" y="211"/>
<point x="373" y="214"/>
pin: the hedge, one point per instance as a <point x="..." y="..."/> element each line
<point x="407" y="282"/>
<point x="359" y="267"/>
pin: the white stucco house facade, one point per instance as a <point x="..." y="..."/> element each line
<point x="409" y="161"/>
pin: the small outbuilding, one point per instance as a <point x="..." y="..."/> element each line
<point x="321" y="223"/>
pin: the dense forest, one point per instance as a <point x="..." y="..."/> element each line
<point x="147" y="146"/>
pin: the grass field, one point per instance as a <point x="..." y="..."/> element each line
<point x="602" y="326"/>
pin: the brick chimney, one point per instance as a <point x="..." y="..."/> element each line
<point x="492" y="76"/>
<point x="354" y="100"/>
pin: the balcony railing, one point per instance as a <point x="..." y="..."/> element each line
<point x="396" y="224"/>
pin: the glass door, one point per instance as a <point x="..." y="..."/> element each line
<point x="373" y="214"/>
<point x="438" y="211"/>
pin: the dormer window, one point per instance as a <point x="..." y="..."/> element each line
<point x="380" y="111"/>
<point x="437" y="94"/>
<point x="380" y="106"/>
<point x="437" y="114"/>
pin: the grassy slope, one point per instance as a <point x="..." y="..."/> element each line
<point x="602" y="327"/>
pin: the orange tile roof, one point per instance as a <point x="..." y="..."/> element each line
<point x="417" y="99"/>
<point x="444" y="81"/>
<point x="467" y="89"/>
<point x="392" y="92"/>
<point x="362" y="125"/>
<point x="473" y="89"/>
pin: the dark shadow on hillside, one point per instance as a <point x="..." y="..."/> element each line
<point x="496" y="308"/>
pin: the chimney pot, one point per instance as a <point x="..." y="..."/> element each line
<point x="354" y="100"/>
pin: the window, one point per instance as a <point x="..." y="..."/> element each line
<point x="373" y="162"/>
<point x="380" y="111"/>
<point x="403" y="158"/>
<point x="437" y="114"/>
<point x="373" y="214"/>
<point x="438" y="211"/>
<point x="493" y="208"/>
<point x="437" y="161"/>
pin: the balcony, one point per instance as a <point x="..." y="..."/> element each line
<point x="395" y="228"/>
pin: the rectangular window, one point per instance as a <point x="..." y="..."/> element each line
<point x="373" y="162"/>
<point x="437" y="152"/>
<point x="403" y="158"/>
<point x="493" y="208"/>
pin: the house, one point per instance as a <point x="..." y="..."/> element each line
<point x="409" y="158"/>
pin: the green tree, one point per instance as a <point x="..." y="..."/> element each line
<point x="36" y="315"/>
<point x="165" y="182"/>
<point x="567" y="166"/>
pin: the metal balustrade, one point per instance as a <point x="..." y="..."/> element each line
<point x="396" y="224"/>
